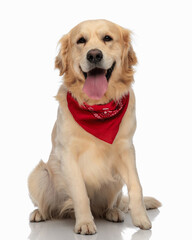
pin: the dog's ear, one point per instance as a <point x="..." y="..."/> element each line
<point x="132" y="59"/>
<point x="129" y="58"/>
<point x="61" y="61"/>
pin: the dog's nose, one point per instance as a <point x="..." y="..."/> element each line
<point x="94" y="56"/>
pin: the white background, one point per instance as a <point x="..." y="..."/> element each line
<point x="29" y="33"/>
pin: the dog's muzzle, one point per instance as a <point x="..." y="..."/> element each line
<point x="94" y="56"/>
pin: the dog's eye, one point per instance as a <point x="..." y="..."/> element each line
<point x="81" y="40"/>
<point x="107" y="38"/>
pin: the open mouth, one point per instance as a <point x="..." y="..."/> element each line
<point x="96" y="82"/>
<point x="98" y="71"/>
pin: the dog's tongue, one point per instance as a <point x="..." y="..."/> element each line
<point x="95" y="85"/>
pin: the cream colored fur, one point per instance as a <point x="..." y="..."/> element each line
<point x="84" y="176"/>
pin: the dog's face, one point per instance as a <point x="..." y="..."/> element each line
<point x="97" y="58"/>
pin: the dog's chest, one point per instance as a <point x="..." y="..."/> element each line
<point x="97" y="166"/>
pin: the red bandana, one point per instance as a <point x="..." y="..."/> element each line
<point x="102" y="121"/>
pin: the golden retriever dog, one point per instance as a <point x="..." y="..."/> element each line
<point x="92" y="154"/>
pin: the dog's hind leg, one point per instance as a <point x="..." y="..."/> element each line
<point x="36" y="216"/>
<point x="113" y="195"/>
<point x="41" y="192"/>
<point x="149" y="202"/>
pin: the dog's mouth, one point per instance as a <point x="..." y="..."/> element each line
<point x="96" y="82"/>
<point x="97" y="71"/>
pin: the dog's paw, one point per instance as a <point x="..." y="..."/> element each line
<point x="114" y="215"/>
<point x="36" y="216"/>
<point x="88" y="228"/>
<point x="141" y="220"/>
<point x="151" y="203"/>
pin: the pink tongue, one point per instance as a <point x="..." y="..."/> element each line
<point x="95" y="86"/>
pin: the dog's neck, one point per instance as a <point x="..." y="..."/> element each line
<point x="101" y="120"/>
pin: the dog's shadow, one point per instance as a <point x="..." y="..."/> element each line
<point x="63" y="229"/>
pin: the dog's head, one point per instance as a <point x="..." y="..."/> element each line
<point x="96" y="58"/>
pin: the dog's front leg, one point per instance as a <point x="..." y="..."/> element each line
<point x="77" y="191"/>
<point x="129" y="174"/>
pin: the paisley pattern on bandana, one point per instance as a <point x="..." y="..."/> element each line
<point x="106" y="112"/>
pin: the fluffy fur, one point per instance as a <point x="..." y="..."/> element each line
<point x="84" y="176"/>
